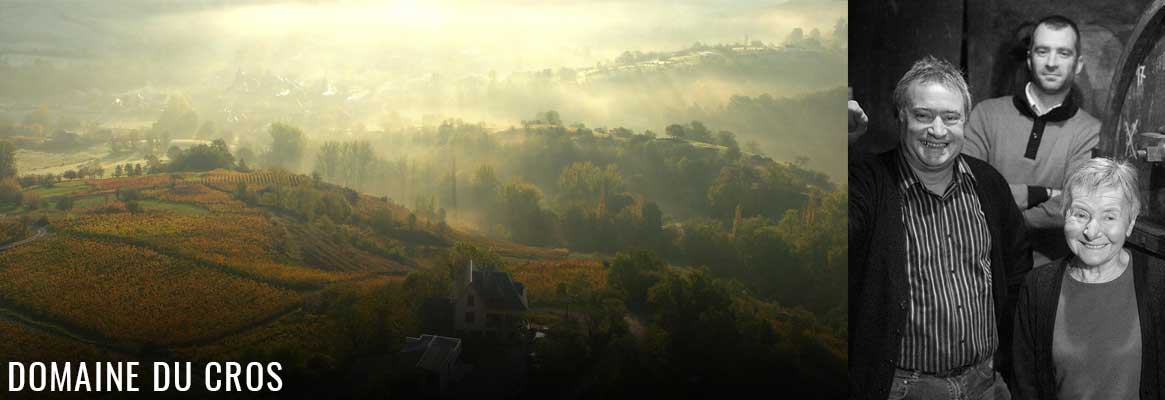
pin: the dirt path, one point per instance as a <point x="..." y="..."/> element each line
<point x="58" y="330"/>
<point x="39" y="234"/>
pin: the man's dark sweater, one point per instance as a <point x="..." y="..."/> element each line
<point x="878" y="287"/>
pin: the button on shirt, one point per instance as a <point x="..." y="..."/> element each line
<point x="950" y="312"/>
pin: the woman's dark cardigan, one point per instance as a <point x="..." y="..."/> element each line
<point x="1035" y="322"/>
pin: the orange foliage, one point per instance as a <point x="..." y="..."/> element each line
<point x="542" y="277"/>
<point x="128" y="292"/>
<point x="194" y="193"/>
<point x="316" y="332"/>
<point x="242" y="242"/>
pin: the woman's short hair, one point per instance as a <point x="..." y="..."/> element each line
<point x="1103" y="172"/>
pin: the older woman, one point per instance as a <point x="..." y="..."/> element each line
<point x="1086" y="326"/>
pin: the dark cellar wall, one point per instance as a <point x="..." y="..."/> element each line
<point x="886" y="36"/>
<point x="984" y="38"/>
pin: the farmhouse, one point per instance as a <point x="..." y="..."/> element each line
<point x="436" y="359"/>
<point x="489" y="303"/>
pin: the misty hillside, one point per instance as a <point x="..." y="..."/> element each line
<point x="800" y="129"/>
<point x="93" y="66"/>
<point x="652" y="189"/>
<point x="290" y="269"/>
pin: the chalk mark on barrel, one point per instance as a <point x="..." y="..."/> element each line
<point x="1140" y="75"/>
<point x="1130" y="130"/>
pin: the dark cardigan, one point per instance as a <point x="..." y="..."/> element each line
<point x="877" y="267"/>
<point x="1035" y="322"/>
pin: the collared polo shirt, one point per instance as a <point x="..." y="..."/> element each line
<point x="1031" y="100"/>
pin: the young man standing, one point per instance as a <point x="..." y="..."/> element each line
<point x="1039" y="134"/>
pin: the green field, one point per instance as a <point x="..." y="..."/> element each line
<point x="58" y="189"/>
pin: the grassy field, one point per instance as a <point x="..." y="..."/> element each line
<point x="92" y="201"/>
<point x="59" y="189"/>
<point x="35" y="162"/>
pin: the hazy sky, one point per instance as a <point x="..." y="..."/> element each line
<point x="501" y="35"/>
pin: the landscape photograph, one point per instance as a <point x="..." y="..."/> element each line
<point x="404" y="199"/>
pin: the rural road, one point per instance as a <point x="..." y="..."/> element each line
<point x="41" y="232"/>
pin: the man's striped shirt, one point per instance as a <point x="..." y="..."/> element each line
<point x="951" y="315"/>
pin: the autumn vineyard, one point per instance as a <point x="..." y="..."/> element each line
<point x="272" y="265"/>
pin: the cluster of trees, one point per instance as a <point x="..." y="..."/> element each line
<point x="203" y="158"/>
<point x="128" y="170"/>
<point x="798" y="260"/>
<point x="348" y="162"/>
<point x="131" y="198"/>
<point x="673" y="331"/>
<point x="754" y="191"/>
<point x="330" y="210"/>
<point x="38" y="179"/>
<point x="788" y="128"/>
<point x="698" y="334"/>
<point x="149" y="142"/>
<point x="178" y="119"/>
<point x="9" y="186"/>
<point x="550" y="117"/>
<point x="86" y="172"/>
<point x="309" y="200"/>
<point x="608" y="190"/>
<point x="839" y="38"/>
<point x="287" y="146"/>
<point x="688" y="180"/>
<point x="602" y="190"/>
<point x="696" y="131"/>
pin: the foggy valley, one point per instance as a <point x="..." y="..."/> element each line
<point x="653" y="177"/>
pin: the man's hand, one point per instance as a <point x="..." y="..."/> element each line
<point x="1019" y="192"/>
<point x="858" y="121"/>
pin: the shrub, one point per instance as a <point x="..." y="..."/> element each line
<point x="10" y="191"/>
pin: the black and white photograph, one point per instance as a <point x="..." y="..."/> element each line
<point x="1006" y="212"/>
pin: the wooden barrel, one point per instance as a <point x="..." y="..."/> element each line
<point x="1135" y="127"/>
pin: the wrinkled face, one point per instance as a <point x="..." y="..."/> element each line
<point x="1097" y="224"/>
<point x="932" y="126"/>
<point x="1052" y="59"/>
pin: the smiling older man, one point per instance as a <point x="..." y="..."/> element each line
<point x="937" y="253"/>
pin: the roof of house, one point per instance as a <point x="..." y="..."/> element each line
<point x="499" y="291"/>
<point x="437" y="352"/>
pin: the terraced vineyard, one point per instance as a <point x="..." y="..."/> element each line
<point x="177" y="264"/>
<point x="128" y="292"/>
<point x="223" y="177"/>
